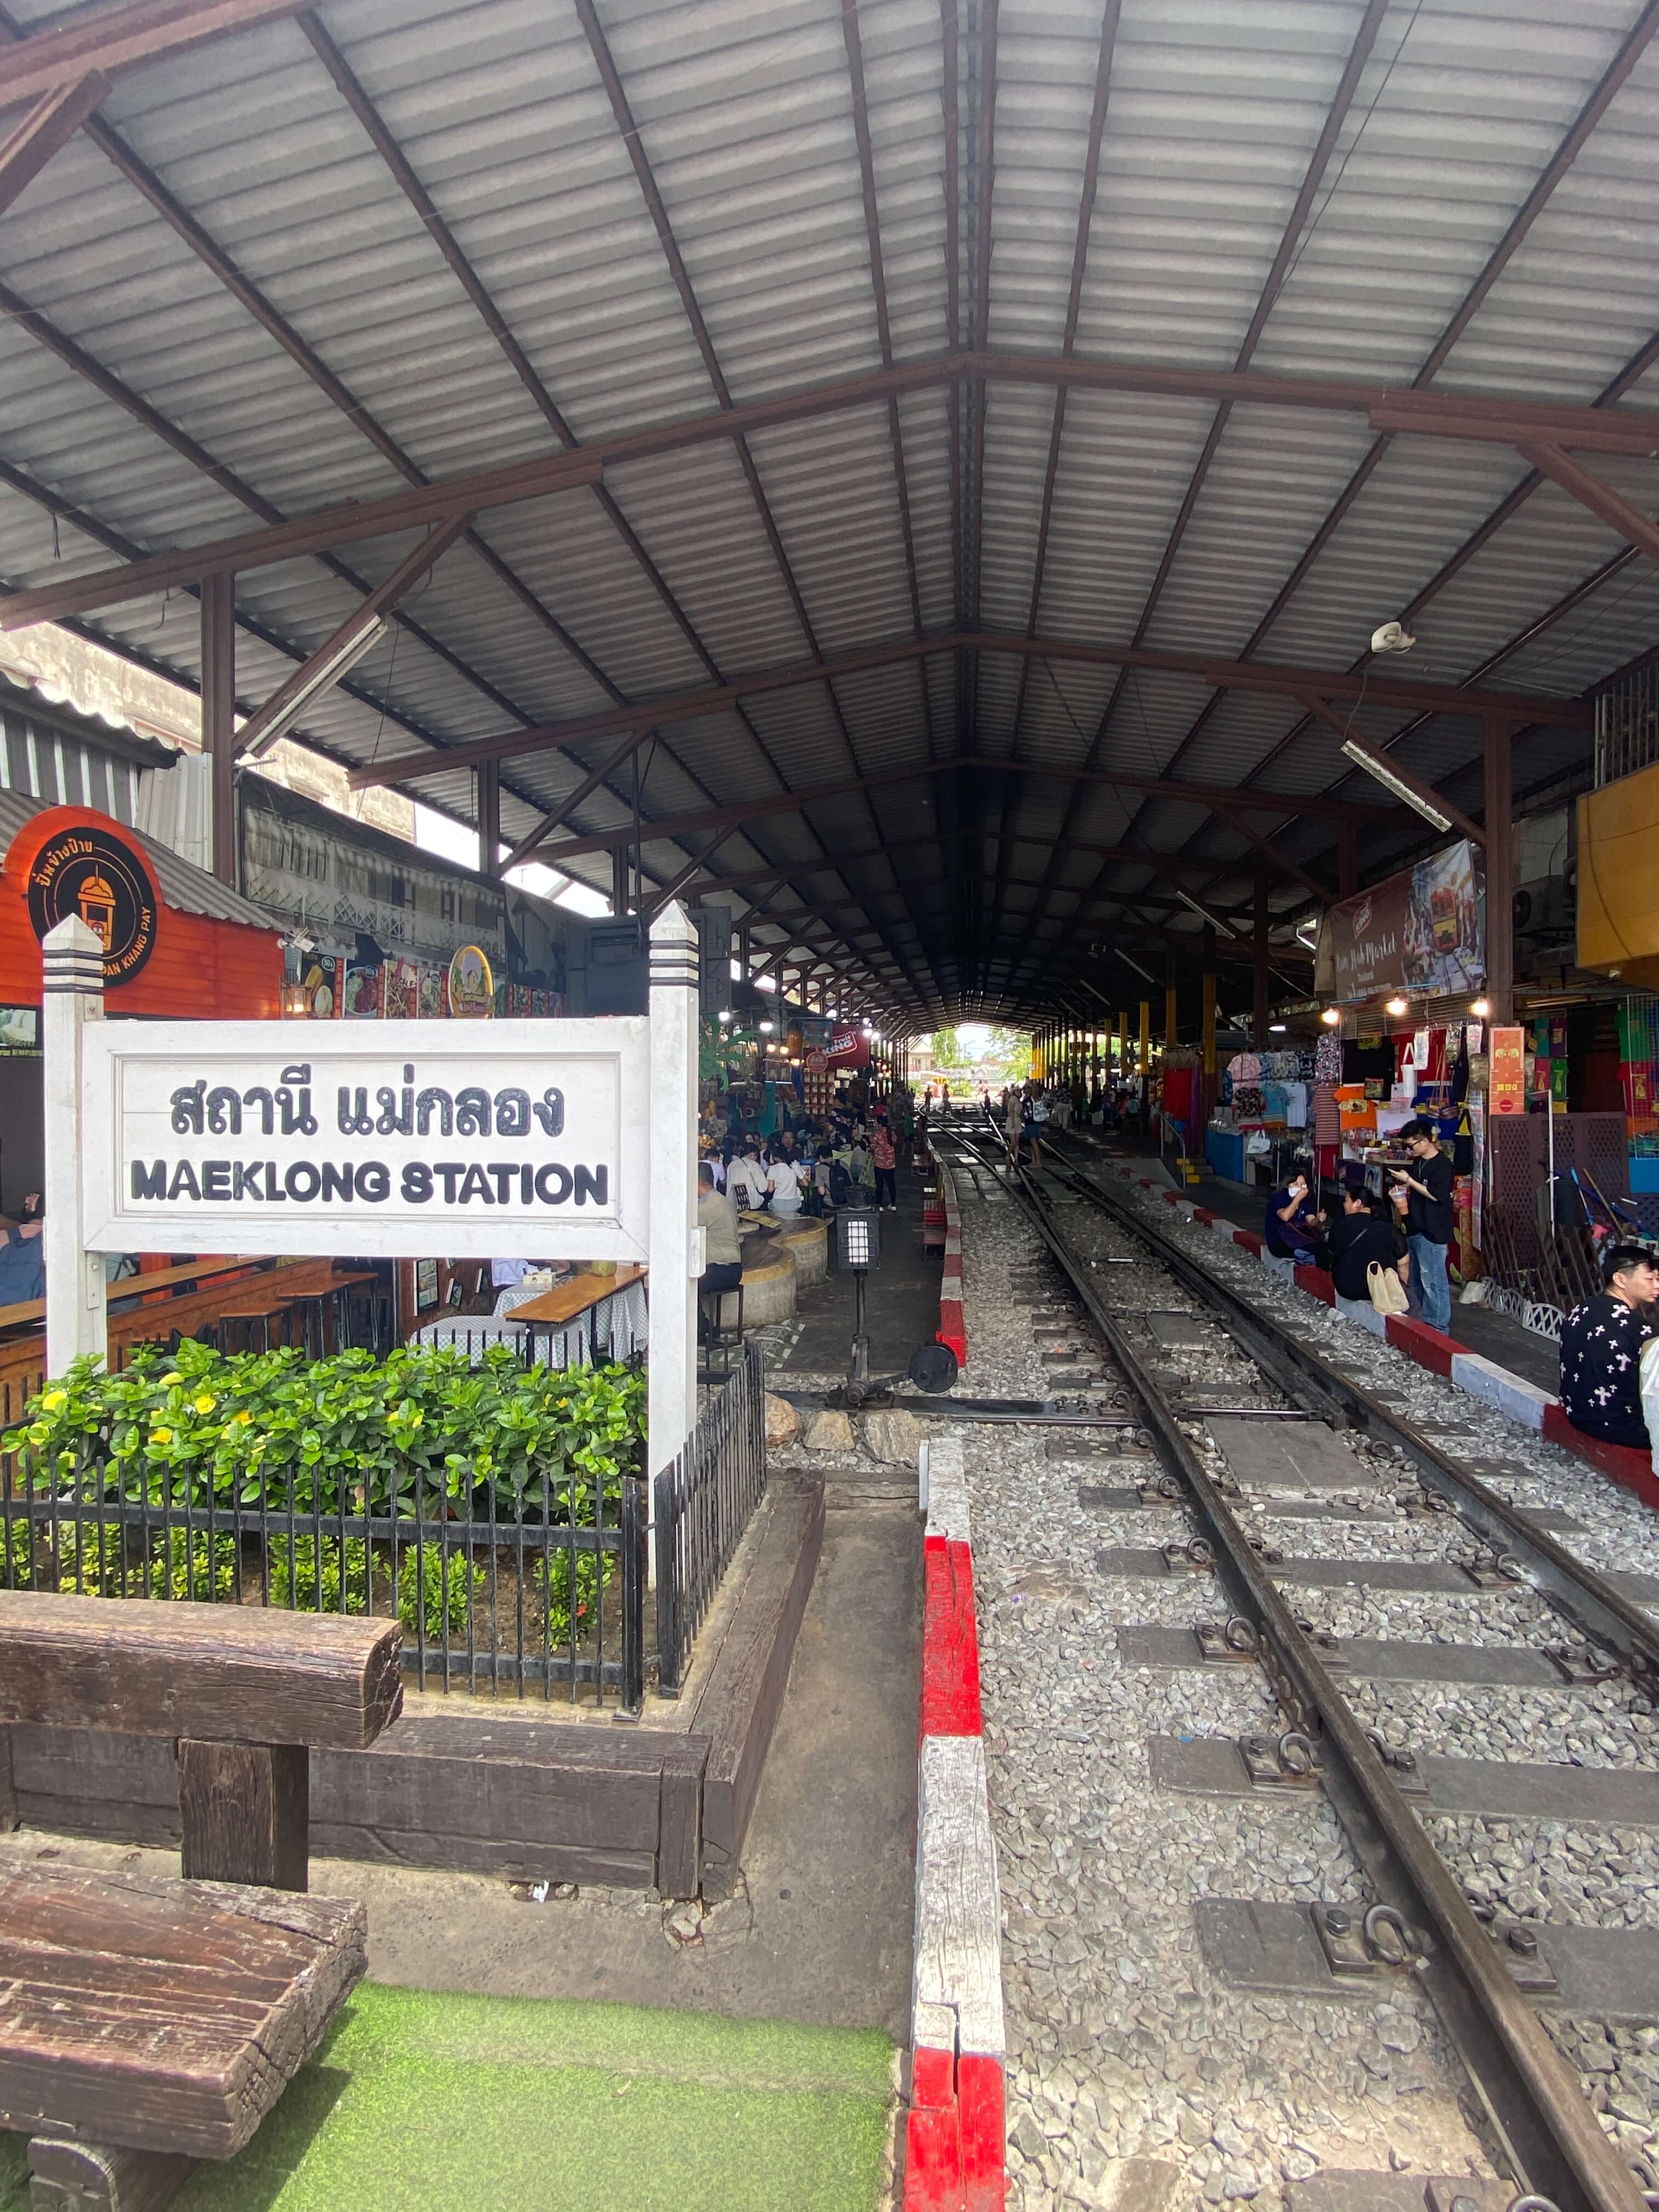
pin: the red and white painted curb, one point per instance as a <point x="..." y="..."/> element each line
<point x="1510" y="1394"/>
<point x="953" y="1328"/>
<point x="954" y="2141"/>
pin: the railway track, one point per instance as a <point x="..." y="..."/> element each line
<point x="1286" y="1435"/>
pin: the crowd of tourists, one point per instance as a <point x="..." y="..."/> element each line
<point x="811" y="1164"/>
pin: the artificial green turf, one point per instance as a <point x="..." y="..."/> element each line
<point x="424" y="2103"/>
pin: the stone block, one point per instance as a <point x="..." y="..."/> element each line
<point x="829" y="1431"/>
<point x="895" y="1436"/>
<point x="782" y="1422"/>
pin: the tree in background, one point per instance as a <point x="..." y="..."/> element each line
<point x="974" y="1055"/>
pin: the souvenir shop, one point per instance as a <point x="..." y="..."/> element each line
<point x="1400" y="1033"/>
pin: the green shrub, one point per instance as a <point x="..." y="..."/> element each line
<point x="551" y="1579"/>
<point x="422" y="1431"/>
<point x="442" y="1591"/>
<point x="89" y="1559"/>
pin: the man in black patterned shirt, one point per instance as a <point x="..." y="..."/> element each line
<point x="1601" y="1345"/>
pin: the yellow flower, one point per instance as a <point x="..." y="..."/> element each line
<point x="245" y="1416"/>
<point x="53" y="1400"/>
<point x="160" y="1436"/>
<point x="205" y="1404"/>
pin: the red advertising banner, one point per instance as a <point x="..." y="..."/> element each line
<point x="1506" y="1084"/>
<point x="849" y="1048"/>
<point x="1421" y="931"/>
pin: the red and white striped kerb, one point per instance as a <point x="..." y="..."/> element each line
<point x="954" y="2134"/>
<point x="1510" y="1393"/>
<point x="953" y="1328"/>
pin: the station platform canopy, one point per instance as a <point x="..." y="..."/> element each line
<point x="927" y="472"/>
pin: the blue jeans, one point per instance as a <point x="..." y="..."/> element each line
<point x="1429" y="1267"/>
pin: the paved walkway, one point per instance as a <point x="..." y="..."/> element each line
<point x="901" y="1299"/>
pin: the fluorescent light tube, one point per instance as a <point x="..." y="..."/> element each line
<point x="1375" y="765"/>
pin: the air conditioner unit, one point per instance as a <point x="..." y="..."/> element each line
<point x="1546" y="907"/>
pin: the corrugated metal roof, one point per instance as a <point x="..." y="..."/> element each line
<point x="187" y="889"/>
<point x="722" y="250"/>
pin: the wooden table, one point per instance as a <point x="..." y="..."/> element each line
<point x="164" y="1278"/>
<point x="557" y="1308"/>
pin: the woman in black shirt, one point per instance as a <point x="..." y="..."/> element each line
<point x="1361" y="1234"/>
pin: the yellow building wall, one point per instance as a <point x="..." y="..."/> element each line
<point x="1618" y="879"/>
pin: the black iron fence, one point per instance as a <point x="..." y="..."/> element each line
<point x="704" y="1498"/>
<point x="1545" y="1264"/>
<point x="492" y="1604"/>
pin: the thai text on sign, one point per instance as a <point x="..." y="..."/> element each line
<point x="213" y="1139"/>
<point x="1506" y="1085"/>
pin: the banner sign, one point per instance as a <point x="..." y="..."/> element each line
<point x="1506" y="1080"/>
<point x="99" y="877"/>
<point x="420" y="1137"/>
<point x="849" y="1048"/>
<point x="1423" y="931"/>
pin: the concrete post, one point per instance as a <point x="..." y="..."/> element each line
<point x="72" y="996"/>
<point x="672" y="1399"/>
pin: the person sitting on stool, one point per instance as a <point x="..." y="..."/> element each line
<point x="723" y="1255"/>
<point x="1292" y="1227"/>
<point x="1601" y="1343"/>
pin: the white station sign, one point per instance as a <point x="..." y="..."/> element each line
<point x="412" y="1138"/>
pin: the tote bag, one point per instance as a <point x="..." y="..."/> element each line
<point x="1388" y="1291"/>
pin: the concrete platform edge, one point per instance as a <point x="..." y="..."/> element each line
<point x="952" y="1328"/>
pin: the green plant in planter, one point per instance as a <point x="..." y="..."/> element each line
<point x="561" y="1610"/>
<point x="438" y="1591"/>
<point x="90" y="1560"/>
<point x="422" y="1433"/>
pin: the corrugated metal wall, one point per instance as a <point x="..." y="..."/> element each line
<point x="45" y="762"/>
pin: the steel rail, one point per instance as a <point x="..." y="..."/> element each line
<point x="1548" y="2133"/>
<point x="1600" y="1611"/>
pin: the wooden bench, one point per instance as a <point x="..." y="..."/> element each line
<point x="148" y="2022"/>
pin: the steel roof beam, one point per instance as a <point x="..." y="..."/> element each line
<point x="277" y="326"/>
<point x="49" y="124"/>
<point x="791" y="802"/>
<point x="1590" y="491"/>
<point x="1566" y="153"/>
<point x="1086" y="199"/>
<point x="121" y="395"/>
<point x="1324" y="146"/>
<point x="852" y="41"/>
<point x="634" y="145"/>
<point x="126" y="37"/>
<point x="312" y="679"/>
<point x="355" y="97"/>
<point x="1627" y="430"/>
<point x="714" y="699"/>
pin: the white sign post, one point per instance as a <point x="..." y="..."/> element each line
<point x="72" y="1008"/>
<point x="671" y="1407"/>
<point x="402" y="1140"/>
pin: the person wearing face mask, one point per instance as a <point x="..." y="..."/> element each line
<point x="1291" y="1225"/>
